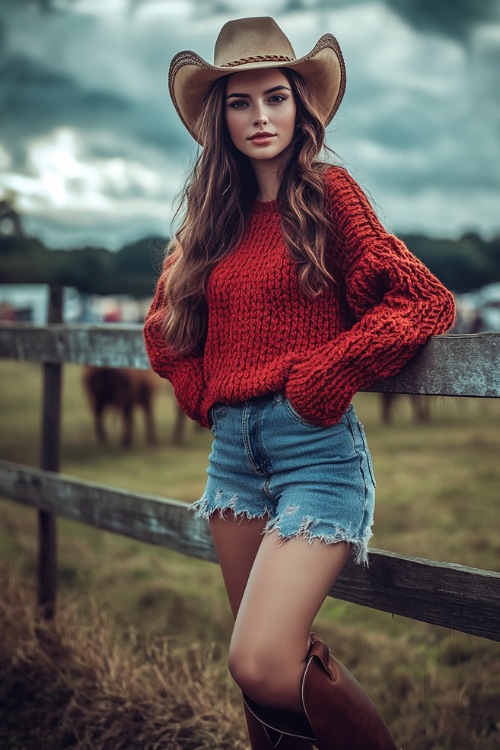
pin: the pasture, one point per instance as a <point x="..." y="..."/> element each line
<point x="155" y="610"/>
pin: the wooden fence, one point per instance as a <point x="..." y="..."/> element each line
<point x="453" y="596"/>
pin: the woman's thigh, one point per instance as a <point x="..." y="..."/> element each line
<point x="278" y="584"/>
<point x="237" y="541"/>
<point x="286" y="586"/>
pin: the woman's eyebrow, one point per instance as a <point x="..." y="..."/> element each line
<point x="268" y="91"/>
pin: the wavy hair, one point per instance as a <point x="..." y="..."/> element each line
<point x="218" y="197"/>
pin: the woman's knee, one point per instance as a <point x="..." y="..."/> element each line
<point x="247" y="670"/>
<point x="264" y="674"/>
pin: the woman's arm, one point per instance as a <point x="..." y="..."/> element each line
<point x="396" y="301"/>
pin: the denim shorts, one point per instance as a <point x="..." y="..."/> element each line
<point x="307" y="481"/>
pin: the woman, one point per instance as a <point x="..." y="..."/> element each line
<point x="281" y="296"/>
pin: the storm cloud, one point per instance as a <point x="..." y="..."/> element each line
<point x="92" y="149"/>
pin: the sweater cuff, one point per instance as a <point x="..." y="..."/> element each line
<point x="318" y="397"/>
<point x="189" y="395"/>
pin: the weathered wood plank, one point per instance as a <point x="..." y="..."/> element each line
<point x="450" y="365"/>
<point x="151" y="519"/>
<point x="104" y="345"/>
<point x="453" y="596"/>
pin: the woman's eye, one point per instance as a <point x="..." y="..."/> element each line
<point x="277" y="99"/>
<point x="238" y="104"/>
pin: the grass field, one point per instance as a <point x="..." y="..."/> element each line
<point x="438" y="497"/>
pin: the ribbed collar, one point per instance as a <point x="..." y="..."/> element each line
<point x="263" y="208"/>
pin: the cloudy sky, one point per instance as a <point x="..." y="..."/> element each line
<point x="93" y="151"/>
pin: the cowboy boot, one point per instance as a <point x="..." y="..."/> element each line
<point x="271" y="730"/>
<point x="339" y="711"/>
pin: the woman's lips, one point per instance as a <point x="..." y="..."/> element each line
<point x="262" y="138"/>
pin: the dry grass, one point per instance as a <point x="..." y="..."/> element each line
<point x="82" y="683"/>
<point x="72" y="684"/>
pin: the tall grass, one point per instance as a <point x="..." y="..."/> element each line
<point x="76" y="684"/>
<point x="129" y="612"/>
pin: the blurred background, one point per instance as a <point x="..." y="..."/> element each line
<point x="93" y="155"/>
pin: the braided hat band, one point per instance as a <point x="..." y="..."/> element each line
<point x="257" y="58"/>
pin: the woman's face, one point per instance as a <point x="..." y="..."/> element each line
<point x="260" y="113"/>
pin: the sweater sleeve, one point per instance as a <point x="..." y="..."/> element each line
<point x="186" y="373"/>
<point x="395" y="301"/>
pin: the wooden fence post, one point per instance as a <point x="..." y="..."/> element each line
<point x="49" y="459"/>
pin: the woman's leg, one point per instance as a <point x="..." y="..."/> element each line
<point x="276" y="588"/>
<point x="237" y="541"/>
<point x="271" y="647"/>
<point x="286" y="586"/>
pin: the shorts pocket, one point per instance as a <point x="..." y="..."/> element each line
<point x="217" y="413"/>
<point x="296" y="416"/>
<point x="211" y="421"/>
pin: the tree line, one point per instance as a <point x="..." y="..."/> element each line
<point x="91" y="270"/>
<point x="463" y="264"/>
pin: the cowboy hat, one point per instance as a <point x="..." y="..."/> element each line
<point x="254" y="44"/>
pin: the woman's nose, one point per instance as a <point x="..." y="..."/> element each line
<point x="260" y="116"/>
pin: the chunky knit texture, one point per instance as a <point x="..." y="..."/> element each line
<point x="265" y="336"/>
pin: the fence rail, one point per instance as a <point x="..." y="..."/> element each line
<point x="453" y="596"/>
<point x="448" y="365"/>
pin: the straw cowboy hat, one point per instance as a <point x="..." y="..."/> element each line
<point x="254" y="44"/>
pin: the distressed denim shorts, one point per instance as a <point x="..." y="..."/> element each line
<point x="313" y="482"/>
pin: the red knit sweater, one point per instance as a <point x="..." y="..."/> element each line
<point x="265" y="336"/>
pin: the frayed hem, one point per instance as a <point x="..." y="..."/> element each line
<point x="206" y="509"/>
<point x="359" y="546"/>
<point x="203" y="508"/>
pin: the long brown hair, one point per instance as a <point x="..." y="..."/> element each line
<point x="218" y="198"/>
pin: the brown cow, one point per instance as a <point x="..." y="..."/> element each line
<point x="122" y="390"/>
<point x="421" y="407"/>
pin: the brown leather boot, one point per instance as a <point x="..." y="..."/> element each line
<point x="264" y="732"/>
<point x="339" y="711"/>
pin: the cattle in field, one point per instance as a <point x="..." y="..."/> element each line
<point x="421" y="407"/>
<point x="122" y="390"/>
